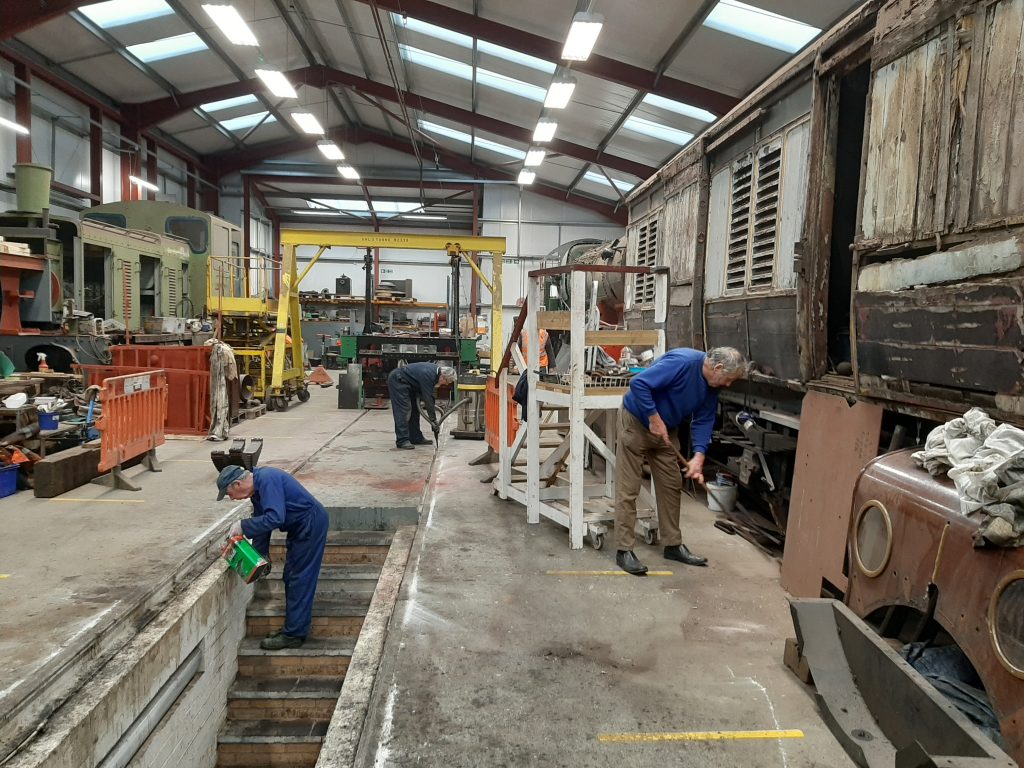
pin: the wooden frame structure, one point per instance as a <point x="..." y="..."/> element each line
<point x="556" y="485"/>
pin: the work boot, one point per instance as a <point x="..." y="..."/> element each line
<point x="279" y="641"/>
<point x="422" y="441"/>
<point x="683" y="555"/>
<point x="627" y="561"/>
<point x="406" y="446"/>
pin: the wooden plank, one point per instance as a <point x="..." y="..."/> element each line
<point x="970" y="72"/>
<point x="909" y="164"/>
<point x="876" y="154"/>
<point x="553" y="321"/>
<point x="1014" y="170"/>
<point x="622" y="338"/>
<point x="892" y="145"/>
<point x="933" y="115"/>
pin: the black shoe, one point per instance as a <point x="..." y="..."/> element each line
<point x="683" y="555"/>
<point x="279" y="641"/>
<point x="627" y="561"/>
<point x="406" y="446"/>
<point x="422" y="441"/>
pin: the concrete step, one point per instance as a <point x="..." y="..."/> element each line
<point x="318" y="657"/>
<point x="336" y="589"/>
<point x="347" y="538"/>
<point x="350" y="572"/>
<point x="267" y="744"/>
<point x="323" y="626"/>
<point x="323" y="605"/>
<point x="286" y="699"/>
<point x="341" y="554"/>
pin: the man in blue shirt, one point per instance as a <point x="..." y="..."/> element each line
<point x="407" y="385"/>
<point x="279" y="501"/>
<point x="681" y="384"/>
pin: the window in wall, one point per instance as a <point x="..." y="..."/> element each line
<point x="754" y="219"/>
<point x="646" y="256"/>
<point x="192" y="229"/>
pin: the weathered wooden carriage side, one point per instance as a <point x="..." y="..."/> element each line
<point x="939" y="280"/>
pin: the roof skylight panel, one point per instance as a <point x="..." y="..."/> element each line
<point x="167" y="48"/>
<point x="117" y="13"/>
<point x="600" y="178"/>
<point x="465" y="138"/>
<point x="760" y="26"/>
<point x="680" y="108"/>
<point x="656" y="130"/>
<point x="465" y="41"/>
<point x="247" y="121"/>
<point x="465" y="72"/>
<point x="238" y="101"/>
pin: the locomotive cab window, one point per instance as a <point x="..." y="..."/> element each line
<point x="192" y="229"/>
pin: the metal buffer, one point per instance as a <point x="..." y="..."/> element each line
<point x="557" y="483"/>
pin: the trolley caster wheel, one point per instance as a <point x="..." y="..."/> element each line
<point x="279" y="402"/>
<point x="269" y="402"/>
<point x="303" y="395"/>
<point x="651" y="536"/>
<point x="597" y="540"/>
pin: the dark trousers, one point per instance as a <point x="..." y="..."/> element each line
<point x="301" y="572"/>
<point x="407" y="414"/>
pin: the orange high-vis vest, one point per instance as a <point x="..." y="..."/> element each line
<point x="543" y="348"/>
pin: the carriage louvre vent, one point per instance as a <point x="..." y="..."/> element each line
<point x="766" y="217"/>
<point x="739" y="225"/>
<point x="172" y="294"/>
<point x="126" y="292"/>
<point x="646" y="256"/>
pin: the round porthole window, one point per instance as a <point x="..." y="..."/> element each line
<point x="872" y="538"/>
<point x="1006" y="621"/>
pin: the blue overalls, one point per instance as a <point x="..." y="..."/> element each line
<point x="280" y="501"/>
<point x="406" y="385"/>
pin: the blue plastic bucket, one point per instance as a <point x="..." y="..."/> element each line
<point x="48" y="420"/>
<point x="8" y="480"/>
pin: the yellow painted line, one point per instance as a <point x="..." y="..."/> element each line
<point x="5" y="575"/>
<point x="191" y="461"/>
<point x="638" y="738"/>
<point x="102" y="501"/>
<point x="604" y="573"/>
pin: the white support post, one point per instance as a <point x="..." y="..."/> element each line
<point x="504" y="454"/>
<point x="611" y="425"/>
<point x="534" y="299"/>
<point x="577" y="324"/>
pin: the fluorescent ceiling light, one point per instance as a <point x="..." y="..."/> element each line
<point x="582" y="35"/>
<point x="317" y="212"/>
<point x="465" y="41"/>
<point x="308" y="123"/>
<point x="465" y="72"/>
<point x="760" y="26"/>
<point x="348" y="172"/>
<point x="355" y="205"/>
<point x="680" y="108"/>
<point x="231" y="24"/>
<point x="526" y="177"/>
<point x="424" y="217"/>
<point x="534" y="157"/>
<point x="277" y="83"/>
<point x="559" y="93"/>
<point x="330" y="150"/>
<point x="143" y="183"/>
<point x="238" y="101"/>
<point x="465" y="138"/>
<point x="600" y="178"/>
<point x="657" y="130"/>
<point x="13" y="126"/>
<point x="167" y="48"/>
<point x="117" y="13"/>
<point x="545" y="130"/>
<point x="247" y="121"/>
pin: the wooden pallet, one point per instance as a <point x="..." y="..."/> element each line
<point x="251" y="413"/>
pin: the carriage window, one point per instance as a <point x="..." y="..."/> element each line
<point x="646" y="256"/>
<point x="754" y="219"/>
<point x="117" y="219"/>
<point x="192" y="229"/>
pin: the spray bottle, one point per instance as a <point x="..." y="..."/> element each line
<point x="43" y="367"/>
<point x="244" y="560"/>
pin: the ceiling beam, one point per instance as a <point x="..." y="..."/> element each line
<point x="156" y="111"/>
<point x="21" y="15"/>
<point x="338" y="181"/>
<point x="551" y="50"/>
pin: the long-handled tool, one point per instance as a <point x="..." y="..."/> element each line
<point x="686" y="463"/>
<point x="435" y="423"/>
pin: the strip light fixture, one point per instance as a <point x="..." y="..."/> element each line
<point x="582" y="35"/>
<point x="17" y="127"/>
<point x="231" y="23"/>
<point x="277" y="83"/>
<point x="526" y="177"/>
<point x="545" y="130"/>
<point x="143" y="183"/>
<point x="348" y="172"/>
<point x="560" y="93"/>
<point x="534" y="157"/>
<point x="330" y="150"/>
<point x="308" y="123"/>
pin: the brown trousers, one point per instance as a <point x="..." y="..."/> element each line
<point x="636" y="443"/>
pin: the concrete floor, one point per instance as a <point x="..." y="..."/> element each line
<point x="492" y="661"/>
<point x="74" y="567"/>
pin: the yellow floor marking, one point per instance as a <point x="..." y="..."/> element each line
<point x="604" y="573"/>
<point x="633" y="738"/>
<point x="103" y="501"/>
<point x="196" y="461"/>
<point x="5" y="575"/>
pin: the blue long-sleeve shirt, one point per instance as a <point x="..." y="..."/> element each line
<point x="675" y="388"/>
<point x="279" y="501"/>
<point x="422" y="377"/>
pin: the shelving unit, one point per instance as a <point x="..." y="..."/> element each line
<point x="554" y="481"/>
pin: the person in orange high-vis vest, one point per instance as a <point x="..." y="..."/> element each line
<point x="543" y="349"/>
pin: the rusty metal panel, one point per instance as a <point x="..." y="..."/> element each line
<point x="764" y="329"/>
<point x="836" y="441"/>
<point x="931" y="543"/>
<point x="963" y="336"/>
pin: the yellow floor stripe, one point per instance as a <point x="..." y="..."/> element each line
<point x="190" y="461"/>
<point x="102" y="501"/>
<point x="5" y="575"/>
<point x="635" y="738"/>
<point x="604" y="573"/>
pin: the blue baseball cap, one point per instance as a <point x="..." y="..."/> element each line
<point x="227" y="476"/>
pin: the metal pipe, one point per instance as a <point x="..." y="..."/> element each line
<point x="135" y="736"/>
<point x="368" y="301"/>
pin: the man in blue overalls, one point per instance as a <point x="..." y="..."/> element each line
<point x="406" y="385"/>
<point x="279" y="501"/>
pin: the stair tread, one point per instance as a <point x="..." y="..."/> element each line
<point x="286" y="688"/>
<point x="350" y="538"/>
<point x="272" y="732"/>
<point x="322" y="606"/>
<point x="314" y="646"/>
<point x="353" y="572"/>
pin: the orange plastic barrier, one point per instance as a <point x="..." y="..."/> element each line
<point x="492" y="410"/>
<point x="132" y="424"/>
<point x="189" y="390"/>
